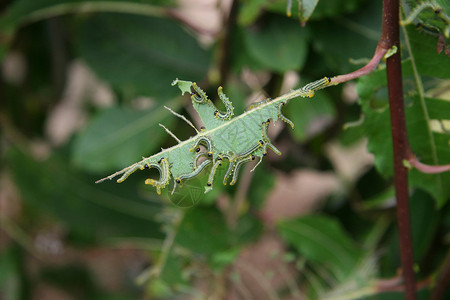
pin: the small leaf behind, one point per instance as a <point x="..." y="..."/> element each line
<point x="141" y="55"/>
<point x="322" y="240"/>
<point x="118" y="136"/>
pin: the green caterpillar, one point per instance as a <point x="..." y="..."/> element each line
<point x="237" y="139"/>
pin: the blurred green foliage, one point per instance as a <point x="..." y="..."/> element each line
<point x="83" y="84"/>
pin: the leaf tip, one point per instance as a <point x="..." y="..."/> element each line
<point x="184" y="86"/>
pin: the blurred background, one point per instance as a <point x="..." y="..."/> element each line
<point x="83" y="87"/>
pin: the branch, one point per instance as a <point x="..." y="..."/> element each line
<point x="401" y="148"/>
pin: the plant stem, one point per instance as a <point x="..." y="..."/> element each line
<point x="371" y="65"/>
<point x="224" y="51"/>
<point x="425" y="168"/>
<point x="401" y="149"/>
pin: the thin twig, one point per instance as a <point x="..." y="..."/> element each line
<point x="170" y="133"/>
<point x="428" y="169"/>
<point x="181" y="117"/>
<point x="369" y="67"/>
<point x="225" y="46"/>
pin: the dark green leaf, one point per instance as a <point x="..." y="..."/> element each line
<point x="427" y="60"/>
<point x="430" y="145"/>
<point x="11" y="286"/>
<point x="322" y="240"/>
<point x="428" y="19"/>
<point x="21" y="12"/>
<point x="119" y="136"/>
<point x="351" y="37"/>
<point x="203" y="231"/>
<point x="250" y="11"/>
<point x="280" y="45"/>
<point x="324" y="8"/>
<point x="93" y="211"/>
<point x="141" y="55"/>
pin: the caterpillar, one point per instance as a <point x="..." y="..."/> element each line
<point x="267" y="142"/>
<point x="238" y="165"/>
<point x="163" y="168"/>
<point x="228" y="106"/>
<point x="282" y="117"/>
<point x="310" y="88"/>
<point x="216" y="164"/>
<point x="202" y="98"/>
<point x="179" y="180"/>
<point x="256" y="104"/>
<point x="205" y="140"/>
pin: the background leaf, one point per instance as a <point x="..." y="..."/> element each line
<point x="91" y="211"/>
<point x="323" y="241"/>
<point x="278" y="52"/>
<point x="119" y="136"/>
<point x="149" y="53"/>
<point x="429" y="145"/>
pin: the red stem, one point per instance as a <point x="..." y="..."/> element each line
<point x="391" y="37"/>
<point x="428" y="169"/>
<point x="371" y="65"/>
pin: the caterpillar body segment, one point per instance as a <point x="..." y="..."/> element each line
<point x="266" y="140"/>
<point x="199" y="96"/>
<point x="130" y="171"/>
<point x="163" y="168"/>
<point x="212" y="173"/>
<point x="238" y="164"/>
<point x="282" y="117"/>
<point x="228" y="105"/>
<point x="256" y="104"/>
<point x="179" y="180"/>
<point x="312" y="87"/>
<point x="202" y="140"/>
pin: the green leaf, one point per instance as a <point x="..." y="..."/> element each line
<point x="24" y="12"/>
<point x="281" y="45"/>
<point x="322" y="241"/>
<point x="329" y="8"/>
<point x="430" y="145"/>
<point x="307" y="8"/>
<point x="427" y="60"/>
<point x="342" y="39"/>
<point x="203" y="231"/>
<point x="21" y="12"/>
<point x="304" y="9"/>
<point x="250" y="10"/>
<point x="424" y="223"/>
<point x="118" y="136"/>
<point x="425" y="220"/>
<point x="316" y="9"/>
<point x="89" y="211"/>
<point x="141" y="55"/>
<point x="11" y="286"/>
<point x="430" y="17"/>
